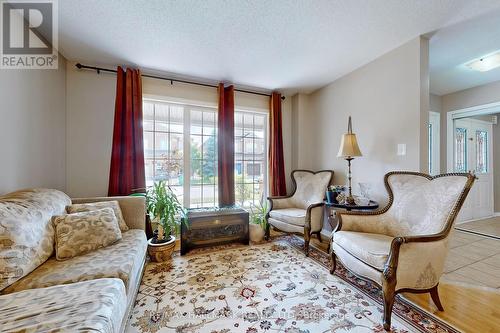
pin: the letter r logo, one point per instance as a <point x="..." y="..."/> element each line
<point x="27" y="27"/>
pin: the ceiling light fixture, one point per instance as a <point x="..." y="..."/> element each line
<point x="486" y="63"/>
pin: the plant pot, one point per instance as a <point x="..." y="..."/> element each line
<point x="331" y="196"/>
<point x="257" y="233"/>
<point x="160" y="252"/>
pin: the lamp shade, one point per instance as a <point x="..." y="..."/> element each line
<point x="349" y="146"/>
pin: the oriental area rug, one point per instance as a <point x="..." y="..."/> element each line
<point x="271" y="287"/>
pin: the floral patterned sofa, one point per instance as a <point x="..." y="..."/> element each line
<point x="90" y="292"/>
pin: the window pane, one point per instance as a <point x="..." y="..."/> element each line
<point x="460" y="149"/>
<point x="196" y="171"/>
<point x="161" y="145"/>
<point x="176" y="119"/>
<point x="208" y="123"/>
<point x="260" y="148"/>
<point x="149" y="171"/>
<point x="209" y="148"/>
<point x="176" y="146"/>
<point x="196" y="122"/>
<point x="174" y="171"/>
<point x="148" y="145"/>
<point x="178" y="191"/>
<point x="208" y="196"/>
<point x="248" y="146"/>
<point x="161" y="117"/>
<point x="195" y="196"/>
<point x="238" y="124"/>
<point x="481" y="152"/>
<point x="148" y="116"/>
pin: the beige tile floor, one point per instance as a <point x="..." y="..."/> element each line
<point x="489" y="226"/>
<point x="473" y="260"/>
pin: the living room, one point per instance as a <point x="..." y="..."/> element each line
<point x="249" y="166"/>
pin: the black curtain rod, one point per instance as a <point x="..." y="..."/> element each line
<point x="100" y="69"/>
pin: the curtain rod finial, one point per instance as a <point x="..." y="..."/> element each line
<point x="79" y="66"/>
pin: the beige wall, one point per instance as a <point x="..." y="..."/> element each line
<point x="388" y="100"/>
<point x="485" y="94"/>
<point x="435" y="103"/>
<point x="32" y="113"/>
<point x="89" y="131"/>
<point x="90" y="112"/>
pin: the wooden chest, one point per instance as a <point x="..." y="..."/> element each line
<point x="214" y="226"/>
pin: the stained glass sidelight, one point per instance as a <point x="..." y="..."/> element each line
<point x="481" y="151"/>
<point x="460" y="149"/>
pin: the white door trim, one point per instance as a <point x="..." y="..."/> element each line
<point x="435" y="120"/>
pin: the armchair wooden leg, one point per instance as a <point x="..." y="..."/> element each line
<point x="435" y="298"/>
<point x="333" y="263"/>
<point x="388" y="290"/>
<point x="319" y="236"/>
<point x="307" y="238"/>
<point x="268" y="231"/>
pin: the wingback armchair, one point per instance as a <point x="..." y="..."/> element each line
<point x="403" y="247"/>
<point x="302" y="211"/>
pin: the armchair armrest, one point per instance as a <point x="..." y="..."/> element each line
<point x="278" y="202"/>
<point x="314" y="214"/>
<point x="372" y="222"/>
<point x="410" y="256"/>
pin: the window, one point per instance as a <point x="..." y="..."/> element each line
<point x="460" y="149"/>
<point x="481" y="151"/>
<point x="180" y="147"/>
<point x="203" y="187"/>
<point x="250" y="166"/>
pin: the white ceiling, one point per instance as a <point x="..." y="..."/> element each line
<point x="293" y="46"/>
<point x="452" y="47"/>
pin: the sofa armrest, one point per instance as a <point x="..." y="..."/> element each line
<point x="133" y="209"/>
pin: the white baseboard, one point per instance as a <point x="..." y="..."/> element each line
<point x="496" y="214"/>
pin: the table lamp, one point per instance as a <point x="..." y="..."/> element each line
<point x="348" y="150"/>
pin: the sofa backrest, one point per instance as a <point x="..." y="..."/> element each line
<point x="26" y="231"/>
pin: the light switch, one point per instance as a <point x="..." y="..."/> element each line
<point x="401" y="149"/>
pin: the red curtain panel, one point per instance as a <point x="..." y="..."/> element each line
<point x="277" y="184"/>
<point x="127" y="157"/>
<point x="225" y="142"/>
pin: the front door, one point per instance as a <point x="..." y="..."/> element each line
<point x="472" y="153"/>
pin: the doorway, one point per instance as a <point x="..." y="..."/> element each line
<point x="470" y="149"/>
<point x="472" y="153"/>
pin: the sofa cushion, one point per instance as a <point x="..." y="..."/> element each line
<point x="372" y="249"/>
<point x="26" y="231"/>
<point x="84" y="232"/>
<point x="122" y="260"/>
<point x="89" y="306"/>
<point x="86" y="207"/>
<point x="295" y="216"/>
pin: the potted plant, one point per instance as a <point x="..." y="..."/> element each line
<point x="258" y="221"/>
<point x="164" y="209"/>
<point x="333" y="191"/>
